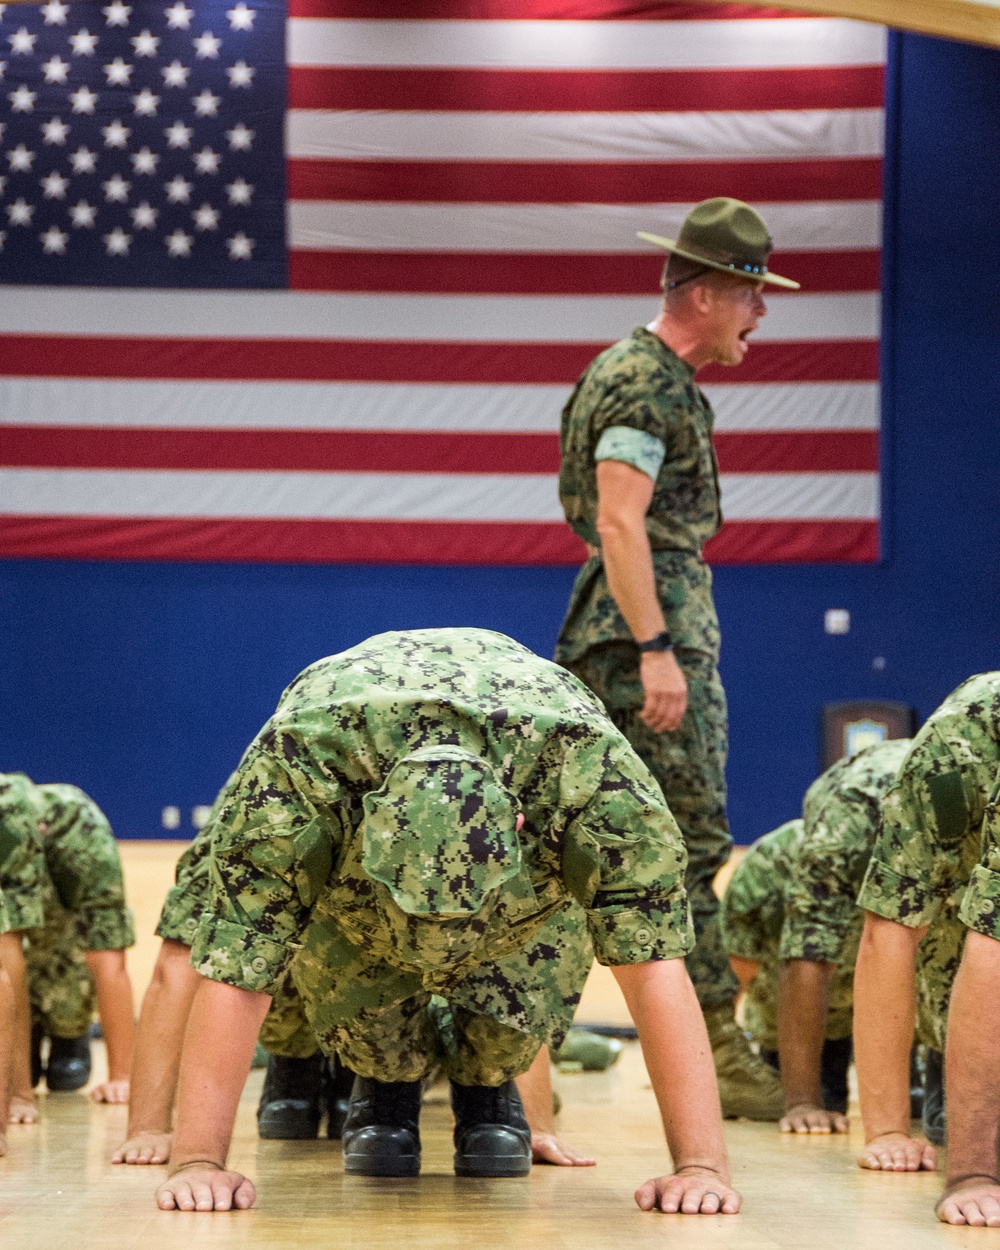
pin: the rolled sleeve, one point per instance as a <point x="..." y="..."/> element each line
<point x="190" y="896"/>
<point x="107" y="929"/>
<point x="907" y="900"/>
<point x="638" y="448"/>
<point x="811" y="942"/>
<point x="741" y="937"/>
<point x="980" y="908"/>
<point x="225" y="951"/>
<point x="659" y="929"/>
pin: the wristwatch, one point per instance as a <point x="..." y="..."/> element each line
<point x="661" y="642"/>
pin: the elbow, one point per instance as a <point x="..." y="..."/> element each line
<point x="614" y="528"/>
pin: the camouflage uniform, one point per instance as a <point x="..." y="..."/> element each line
<point x="327" y="849"/>
<point x="934" y="828"/>
<point x="83" y="903"/>
<point x="22" y="867"/>
<point x="638" y="403"/>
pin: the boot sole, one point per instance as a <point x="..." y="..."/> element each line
<point x="287" y="1132"/>
<point x="496" y="1169"/>
<point x="363" y="1165"/>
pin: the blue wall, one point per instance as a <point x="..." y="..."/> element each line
<point x="143" y="683"/>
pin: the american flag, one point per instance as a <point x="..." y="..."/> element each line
<point x="314" y="286"/>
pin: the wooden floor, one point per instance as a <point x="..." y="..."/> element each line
<point x="58" y="1190"/>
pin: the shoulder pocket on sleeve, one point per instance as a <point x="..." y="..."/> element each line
<point x="951" y="812"/>
<point x="313" y="862"/>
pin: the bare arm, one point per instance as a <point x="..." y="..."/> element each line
<point x="624" y="495"/>
<point x="163" y="1018"/>
<point x="884" y="997"/>
<point x="535" y="1088"/>
<point x="973" y="1083"/>
<point x="218" y="1047"/>
<point x="6" y="1051"/>
<point x="116" y="1007"/>
<point x="745" y="969"/>
<point x="22" y="1102"/>
<point x="678" y="1058"/>
<point x="803" y="994"/>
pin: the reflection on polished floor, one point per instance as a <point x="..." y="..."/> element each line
<point x="58" y="1190"/>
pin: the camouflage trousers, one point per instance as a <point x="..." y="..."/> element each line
<point x="689" y="765"/>
<point x="481" y="1026"/>
<point x="59" y="982"/>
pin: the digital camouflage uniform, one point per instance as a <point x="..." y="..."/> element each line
<point x="83" y="902"/>
<point x="638" y="403"/>
<point x="328" y="855"/>
<point x="22" y="869"/>
<point x="930" y="857"/>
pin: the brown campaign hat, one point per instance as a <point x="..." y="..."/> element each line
<point x="725" y="234"/>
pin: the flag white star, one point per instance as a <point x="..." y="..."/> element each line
<point x="144" y="216"/>
<point x="145" y="103"/>
<point x="206" y="218"/>
<point x="175" y="74"/>
<point x="22" y="100"/>
<point x="206" y="104"/>
<point x="116" y="189"/>
<point x="83" y="99"/>
<point x="241" y="17"/>
<point x="20" y="159"/>
<point x="117" y="242"/>
<point x="178" y="135"/>
<point x="145" y="43"/>
<point x="206" y="161"/>
<point x="179" y="243"/>
<point x="240" y="74"/>
<point x="22" y="42"/>
<point x="239" y="192"/>
<point x="240" y="247"/>
<point x="118" y="73"/>
<point x="115" y="134"/>
<point x="178" y="190"/>
<point x="3" y="239"/>
<point x="117" y="13"/>
<point x="55" y="13"/>
<point x="3" y="68"/>
<point x="83" y="214"/>
<point x="207" y="45"/>
<point x="55" y="69"/>
<point x="54" y="241"/>
<point x="54" y="185"/>
<point x="144" y="161"/>
<point x="55" y="130"/>
<point x="83" y="42"/>
<point x="3" y="185"/>
<point x="179" y="16"/>
<point x="83" y="161"/>
<point x="20" y="213"/>
<point x="240" y="138"/>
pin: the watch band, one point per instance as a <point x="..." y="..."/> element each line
<point x="661" y="642"/>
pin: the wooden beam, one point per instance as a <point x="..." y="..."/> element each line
<point x="972" y="21"/>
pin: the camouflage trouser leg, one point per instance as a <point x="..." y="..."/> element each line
<point x="286" y="1032"/>
<point x="689" y="764"/>
<point x="59" y="981"/>
<point x="382" y="1023"/>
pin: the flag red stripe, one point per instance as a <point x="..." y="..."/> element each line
<point x="364" y="360"/>
<point x="536" y="273"/>
<point x="536" y="10"/>
<point x="400" y="542"/>
<point x="591" y="91"/>
<point x="565" y="182"/>
<point x="363" y="451"/>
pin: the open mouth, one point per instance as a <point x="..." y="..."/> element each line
<point x="746" y="332"/>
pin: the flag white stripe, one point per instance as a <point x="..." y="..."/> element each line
<point x="787" y="134"/>
<point x="394" y="317"/>
<point x="371" y="226"/>
<point x="753" y="44"/>
<point x="395" y="496"/>
<point x="449" y="408"/>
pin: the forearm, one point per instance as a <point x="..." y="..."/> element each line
<point x="535" y="1088"/>
<point x="116" y="1008"/>
<point x="678" y="1058"/>
<point x="218" y="1046"/>
<point x="6" y="1044"/>
<point x="803" y="994"/>
<point x="628" y="563"/>
<point x="972" y="1077"/>
<point x="883" y="1024"/>
<point x="12" y="956"/>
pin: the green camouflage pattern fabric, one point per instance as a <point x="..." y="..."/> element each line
<point x="22" y="868"/>
<point x="4" y="915"/>
<point x="288" y="843"/>
<point x="931" y="831"/>
<point x="84" y="907"/>
<point x="981" y="902"/>
<point x="689" y="766"/>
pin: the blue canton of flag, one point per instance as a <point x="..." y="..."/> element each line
<point x="141" y="145"/>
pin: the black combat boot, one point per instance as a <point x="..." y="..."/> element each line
<point x="934" y="1119"/>
<point x="492" y="1137"/>
<point x="835" y="1063"/>
<point x="37" y="1067"/>
<point x="290" y="1105"/>
<point x="382" y="1134"/>
<point x="337" y="1086"/>
<point x="69" y="1063"/>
